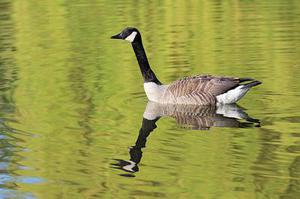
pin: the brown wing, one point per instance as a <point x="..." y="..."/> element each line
<point x="196" y="98"/>
<point x="203" y="84"/>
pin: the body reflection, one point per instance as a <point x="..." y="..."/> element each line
<point x="187" y="116"/>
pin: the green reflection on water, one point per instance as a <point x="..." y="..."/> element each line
<point x="72" y="100"/>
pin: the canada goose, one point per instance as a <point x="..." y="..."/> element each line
<point x="197" y="90"/>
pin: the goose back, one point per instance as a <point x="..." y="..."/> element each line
<point x="200" y="89"/>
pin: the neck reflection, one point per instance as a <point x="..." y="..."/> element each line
<point x="187" y="116"/>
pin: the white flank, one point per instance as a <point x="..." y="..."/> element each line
<point x="154" y="91"/>
<point x="232" y="96"/>
<point x="131" y="37"/>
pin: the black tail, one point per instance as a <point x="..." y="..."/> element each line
<point x="246" y="79"/>
<point x="251" y="84"/>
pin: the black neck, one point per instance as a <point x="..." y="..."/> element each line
<point x="140" y="54"/>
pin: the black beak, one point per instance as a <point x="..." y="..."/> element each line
<point x="117" y="36"/>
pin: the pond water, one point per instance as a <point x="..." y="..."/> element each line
<point x="72" y="100"/>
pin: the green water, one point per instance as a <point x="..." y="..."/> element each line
<point x="72" y="100"/>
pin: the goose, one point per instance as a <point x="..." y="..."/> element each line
<point x="194" y="90"/>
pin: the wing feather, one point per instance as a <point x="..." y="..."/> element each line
<point x="213" y="85"/>
<point x="197" y="98"/>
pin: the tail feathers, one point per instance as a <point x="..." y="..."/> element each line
<point x="251" y="84"/>
<point x="245" y="79"/>
<point x="235" y="94"/>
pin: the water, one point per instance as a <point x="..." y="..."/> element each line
<point x="72" y="100"/>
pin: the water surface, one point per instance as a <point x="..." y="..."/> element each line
<point x="72" y="100"/>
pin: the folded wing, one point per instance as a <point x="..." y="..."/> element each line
<point x="202" y="89"/>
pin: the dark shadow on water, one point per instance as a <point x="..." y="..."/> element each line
<point x="186" y="116"/>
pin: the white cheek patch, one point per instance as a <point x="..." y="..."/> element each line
<point x="131" y="37"/>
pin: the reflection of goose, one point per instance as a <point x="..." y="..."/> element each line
<point x="200" y="117"/>
<point x="196" y="117"/>
<point x="197" y="90"/>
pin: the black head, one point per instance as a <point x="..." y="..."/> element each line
<point x="129" y="34"/>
